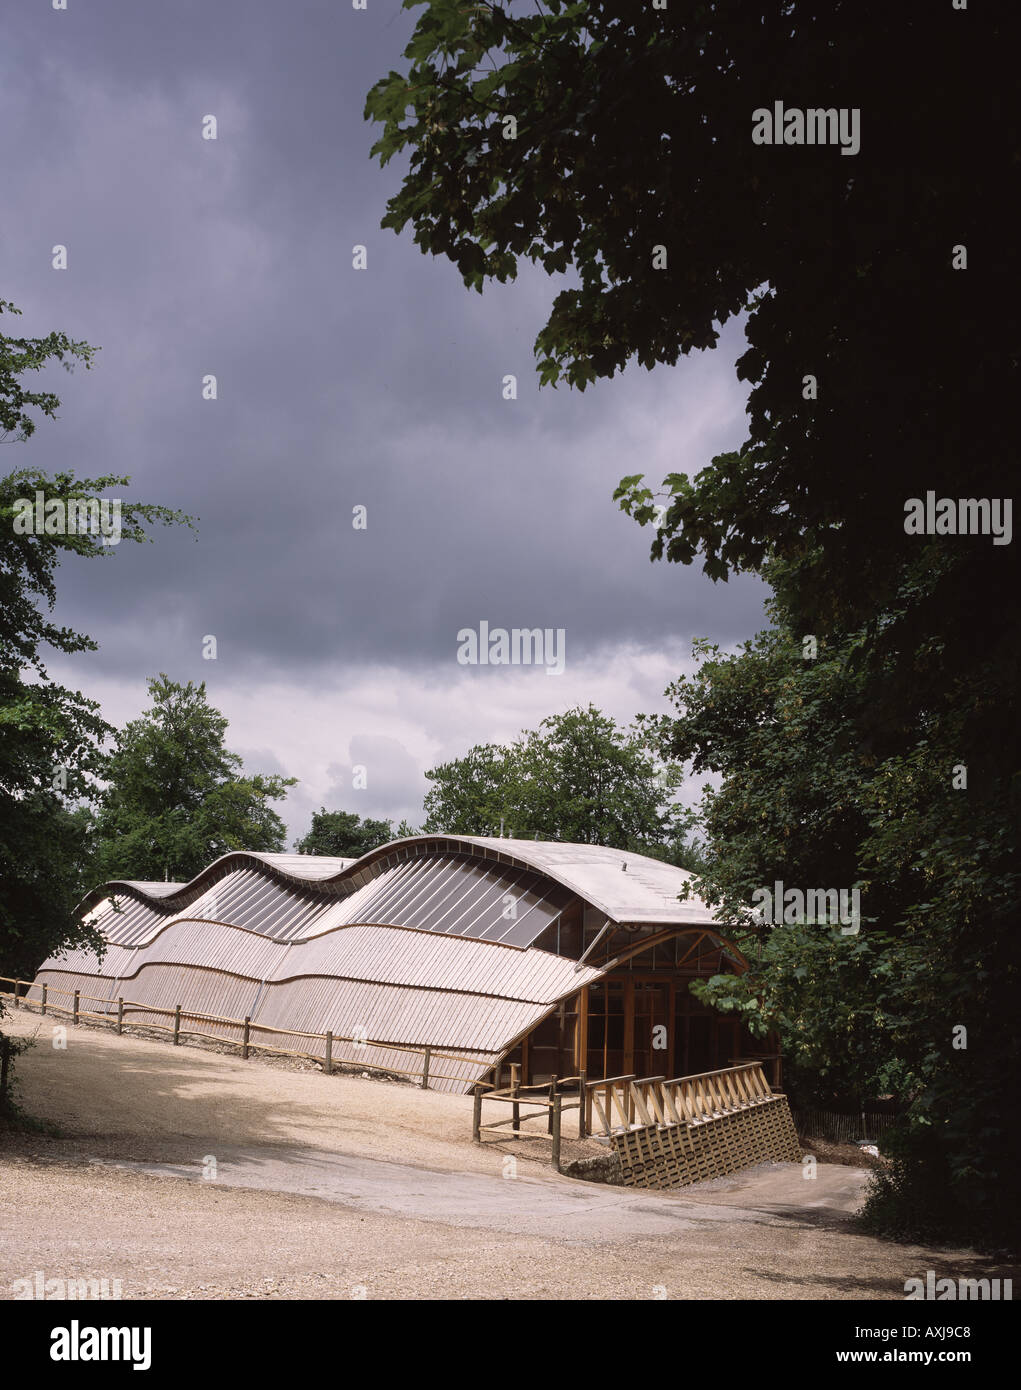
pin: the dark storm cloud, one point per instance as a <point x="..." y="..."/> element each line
<point x="337" y="388"/>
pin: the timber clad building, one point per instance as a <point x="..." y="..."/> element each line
<point x="562" y="958"/>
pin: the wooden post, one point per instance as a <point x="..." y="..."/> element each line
<point x="671" y="1027"/>
<point x="552" y="1097"/>
<point x="515" y="1108"/>
<point x="604" y="990"/>
<point x="477" y="1117"/>
<point x="629" y="1026"/>
<point x="16" y="983"/>
<point x="581" y="1031"/>
<point x="74" y="1011"/>
<point x="582" y="1105"/>
<point x="120" y="1014"/>
<point x="425" y="1069"/>
<point x="244" y="1044"/>
<point x="328" y="1059"/>
<point x="555" y="1131"/>
<point x="44" y="997"/>
<point x="177" y="1024"/>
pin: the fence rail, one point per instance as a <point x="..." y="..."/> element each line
<point x="623" y="1103"/>
<point x="550" y="1101"/>
<point x="116" y="1011"/>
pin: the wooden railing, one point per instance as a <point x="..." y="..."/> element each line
<point x="626" y="1102"/>
<point x="547" y="1100"/>
<point x="116" y="1012"/>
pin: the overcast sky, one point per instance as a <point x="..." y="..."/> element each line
<point x="336" y="388"/>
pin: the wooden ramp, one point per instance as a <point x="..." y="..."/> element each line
<point x="694" y="1128"/>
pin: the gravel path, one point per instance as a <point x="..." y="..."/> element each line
<point x="342" y="1187"/>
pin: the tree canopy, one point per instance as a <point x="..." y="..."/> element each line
<point x="633" y="136"/>
<point x="633" y="141"/>
<point x="578" y="777"/>
<point x="919" y="1003"/>
<point x="346" y="835"/>
<point x="175" y="797"/>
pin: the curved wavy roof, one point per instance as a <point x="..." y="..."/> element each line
<point x="626" y="887"/>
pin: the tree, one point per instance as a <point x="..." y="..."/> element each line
<point x="473" y="795"/>
<point x="20" y="355"/>
<point x="345" y="835"/>
<point x="175" y="798"/>
<point x="632" y="164"/>
<point x="633" y="140"/>
<point x="50" y="737"/>
<point x="909" y="1004"/>
<point x="577" y="778"/>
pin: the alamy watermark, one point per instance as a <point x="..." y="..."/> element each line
<point x="69" y="516"/>
<point x="993" y="1290"/>
<point x="38" y="1286"/>
<point x="832" y="907"/>
<point x="815" y="125"/>
<point x="960" y="516"/>
<point x="516" y="646"/>
<point x="78" y="1343"/>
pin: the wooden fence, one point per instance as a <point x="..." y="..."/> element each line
<point x="693" y="1128"/>
<point x="620" y="1106"/>
<point x="548" y="1101"/>
<point x="116" y="1012"/>
<point x="628" y="1102"/>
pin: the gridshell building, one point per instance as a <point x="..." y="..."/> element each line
<point x="485" y="951"/>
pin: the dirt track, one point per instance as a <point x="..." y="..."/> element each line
<point x="345" y="1187"/>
